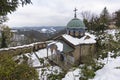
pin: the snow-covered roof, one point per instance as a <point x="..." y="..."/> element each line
<point x="84" y="40"/>
<point x="61" y="46"/>
<point x="58" y="44"/>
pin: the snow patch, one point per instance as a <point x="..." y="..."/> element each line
<point x="112" y="32"/>
<point x="44" y="30"/>
<point x="41" y="54"/>
<point x="72" y="75"/>
<point x="51" y="30"/>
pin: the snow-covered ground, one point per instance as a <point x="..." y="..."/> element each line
<point x="48" y="70"/>
<point x="45" y="71"/>
<point x="112" y="31"/>
<point x="72" y="75"/>
<point x="41" y="54"/>
<point x="110" y="71"/>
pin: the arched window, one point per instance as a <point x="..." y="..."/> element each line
<point x="71" y="32"/>
<point x="68" y="32"/>
<point x="77" y="33"/>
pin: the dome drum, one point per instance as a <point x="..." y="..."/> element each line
<point x="76" y="33"/>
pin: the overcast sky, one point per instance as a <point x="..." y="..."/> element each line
<point x="56" y="12"/>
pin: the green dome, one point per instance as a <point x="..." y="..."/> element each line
<point x="75" y="23"/>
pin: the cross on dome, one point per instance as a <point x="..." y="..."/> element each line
<point x="75" y="13"/>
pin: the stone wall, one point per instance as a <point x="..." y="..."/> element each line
<point x="24" y="49"/>
<point x="83" y="52"/>
<point x="87" y="52"/>
<point x="76" y="55"/>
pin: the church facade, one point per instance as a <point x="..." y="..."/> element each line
<point x="74" y="47"/>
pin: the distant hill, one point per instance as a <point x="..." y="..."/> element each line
<point x="41" y="27"/>
<point x="41" y="33"/>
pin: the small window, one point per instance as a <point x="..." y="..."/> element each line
<point x="68" y="32"/>
<point x="44" y="45"/>
<point x="71" y="32"/>
<point x="40" y="46"/>
<point x="76" y="33"/>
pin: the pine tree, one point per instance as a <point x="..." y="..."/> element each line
<point x="11" y="69"/>
<point x="3" y="40"/>
<point x="3" y="19"/>
<point x="104" y="19"/>
<point x="117" y="18"/>
<point x="5" y="36"/>
<point x="8" y="6"/>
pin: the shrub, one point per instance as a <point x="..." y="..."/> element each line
<point x="11" y="70"/>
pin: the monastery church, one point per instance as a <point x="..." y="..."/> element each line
<point x="74" y="47"/>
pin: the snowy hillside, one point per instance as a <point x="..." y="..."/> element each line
<point x="45" y="30"/>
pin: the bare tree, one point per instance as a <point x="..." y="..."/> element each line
<point x="87" y="15"/>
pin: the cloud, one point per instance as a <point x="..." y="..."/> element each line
<point x="56" y="12"/>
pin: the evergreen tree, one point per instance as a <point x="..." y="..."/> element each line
<point x="104" y="19"/>
<point x="99" y="24"/>
<point x="8" y="6"/>
<point x="3" y="40"/>
<point x="117" y="18"/>
<point x="3" y="19"/>
<point x="16" y="70"/>
<point x="5" y="36"/>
